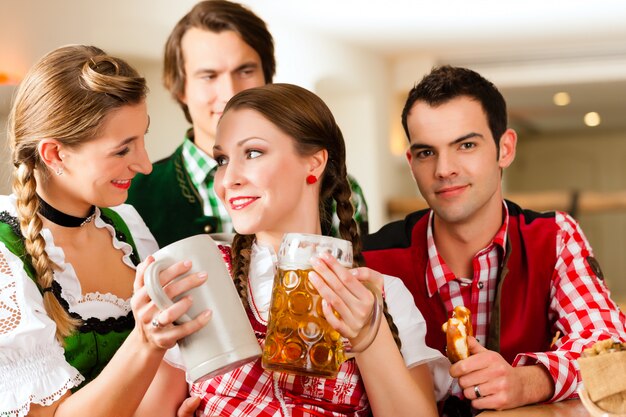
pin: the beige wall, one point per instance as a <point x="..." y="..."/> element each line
<point x="365" y="91"/>
<point x="6" y="93"/>
<point x="592" y="161"/>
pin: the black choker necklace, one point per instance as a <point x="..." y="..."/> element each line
<point x="62" y="219"/>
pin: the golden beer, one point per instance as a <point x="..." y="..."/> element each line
<point x="299" y="339"/>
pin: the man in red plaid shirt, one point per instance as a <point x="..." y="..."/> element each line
<point x="536" y="292"/>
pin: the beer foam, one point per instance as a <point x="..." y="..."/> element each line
<point x="297" y="249"/>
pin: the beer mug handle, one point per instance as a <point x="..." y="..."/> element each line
<point x="155" y="289"/>
<point x="369" y="332"/>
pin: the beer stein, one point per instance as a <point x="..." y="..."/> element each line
<point x="299" y="339"/>
<point x="227" y="341"/>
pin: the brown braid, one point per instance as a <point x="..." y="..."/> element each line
<point x="349" y="231"/>
<point x="24" y="186"/>
<point x="240" y="254"/>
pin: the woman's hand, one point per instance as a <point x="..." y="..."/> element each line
<point x="347" y="301"/>
<point x="157" y="327"/>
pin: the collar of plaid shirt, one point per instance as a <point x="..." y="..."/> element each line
<point x="198" y="164"/>
<point x="438" y="273"/>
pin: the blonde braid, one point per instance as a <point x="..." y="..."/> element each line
<point x="24" y="188"/>
<point x="240" y="254"/>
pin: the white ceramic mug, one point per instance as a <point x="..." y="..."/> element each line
<point x="227" y="341"/>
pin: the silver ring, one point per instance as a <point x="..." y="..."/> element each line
<point x="155" y="322"/>
<point x="477" y="391"/>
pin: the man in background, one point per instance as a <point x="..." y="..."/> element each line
<point x="215" y="51"/>
<point x="534" y="288"/>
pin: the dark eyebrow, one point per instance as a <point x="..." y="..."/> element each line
<point x="211" y="71"/>
<point x="419" y="146"/>
<point x="202" y="71"/>
<point x="467" y="136"/>
<point x="247" y="65"/>
<point x="239" y="143"/>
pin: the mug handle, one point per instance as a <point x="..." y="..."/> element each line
<point x="155" y="289"/>
<point x="368" y="333"/>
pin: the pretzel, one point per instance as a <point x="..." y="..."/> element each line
<point x="457" y="329"/>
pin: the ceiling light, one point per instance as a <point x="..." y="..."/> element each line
<point x="592" y="119"/>
<point x="561" y="98"/>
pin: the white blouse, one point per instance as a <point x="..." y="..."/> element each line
<point x="32" y="362"/>
<point x="400" y="304"/>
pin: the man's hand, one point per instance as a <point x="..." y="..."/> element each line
<point x="188" y="407"/>
<point x="500" y="385"/>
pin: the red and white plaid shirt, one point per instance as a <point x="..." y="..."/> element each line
<point x="581" y="308"/>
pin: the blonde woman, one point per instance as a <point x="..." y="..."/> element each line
<point x="74" y="339"/>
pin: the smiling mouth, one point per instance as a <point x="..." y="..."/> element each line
<point x="238" y="203"/>
<point x="450" y="191"/>
<point x="123" y="184"/>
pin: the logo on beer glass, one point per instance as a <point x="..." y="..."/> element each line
<point x="299" y="339"/>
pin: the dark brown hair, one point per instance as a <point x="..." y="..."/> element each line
<point x="216" y="16"/>
<point x="304" y="117"/>
<point x="445" y="83"/>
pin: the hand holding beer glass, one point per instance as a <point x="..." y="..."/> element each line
<point x="299" y="337"/>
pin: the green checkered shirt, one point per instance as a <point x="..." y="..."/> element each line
<point x="201" y="168"/>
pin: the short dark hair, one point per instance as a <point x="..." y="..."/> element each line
<point x="446" y="82"/>
<point x="216" y="16"/>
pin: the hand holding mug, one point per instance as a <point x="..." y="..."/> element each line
<point x="305" y="326"/>
<point x="157" y="326"/>
<point x="347" y="301"/>
<point x="228" y="340"/>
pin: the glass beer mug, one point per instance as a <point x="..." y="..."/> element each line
<point x="299" y="339"/>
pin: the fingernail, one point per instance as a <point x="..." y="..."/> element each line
<point x="313" y="277"/>
<point x="315" y="261"/>
<point x="202" y="275"/>
<point x="326" y="256"/>
<point x="206" y="315"/>
<point x="187" y="263"/>
<point x="354" y="272"/>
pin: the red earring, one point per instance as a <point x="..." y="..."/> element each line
<point x="311" y="179"/>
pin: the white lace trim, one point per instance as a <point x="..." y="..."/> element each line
<point x="122" y="304"/>
<point x="39" y="376"/>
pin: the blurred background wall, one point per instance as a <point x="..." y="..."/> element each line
<point x="363" y="57"/>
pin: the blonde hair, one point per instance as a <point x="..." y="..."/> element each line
<point x="64" y="96"/>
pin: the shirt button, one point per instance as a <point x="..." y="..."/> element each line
<point x="208" y="228"/>
<point x="480" y="285"/>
